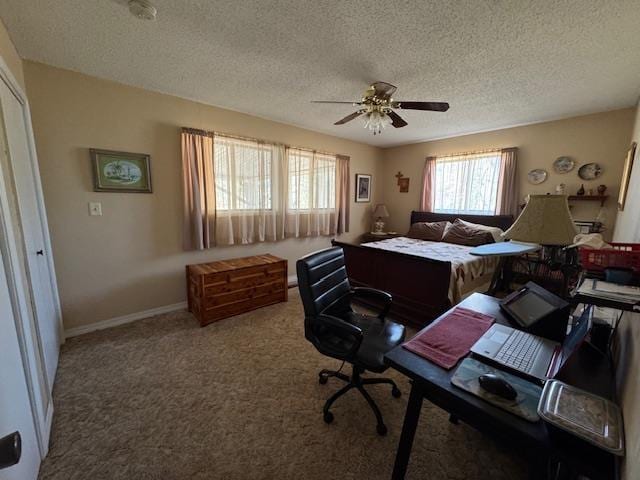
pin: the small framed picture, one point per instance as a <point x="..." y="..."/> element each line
<point x="626" y="176"/>
<point x="363" y="187"/>
<point x="403" y="183"/>
<point x="120" y="171"/>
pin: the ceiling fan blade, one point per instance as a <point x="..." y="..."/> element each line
<point x="384" y="89"/>
<point x="348" y="118"/>
<point x="433" y="106"/>
<point x="331" y="101"/>
<point x="396" y="120"/>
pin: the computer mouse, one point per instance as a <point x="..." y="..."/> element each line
<point x="492" y="383"/>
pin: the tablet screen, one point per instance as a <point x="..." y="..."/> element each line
<point x="529" y="307"/>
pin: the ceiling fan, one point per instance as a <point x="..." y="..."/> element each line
<point x="378" y="105"/>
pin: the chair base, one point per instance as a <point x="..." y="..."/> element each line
<point x="356" y="381"/>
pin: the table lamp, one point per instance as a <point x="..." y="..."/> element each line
<point x="379" y="213"/>
<point x="545" y="220"/>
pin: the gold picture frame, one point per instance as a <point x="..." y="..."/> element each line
<point x="626" y="176"/>
<point x="120" y="171"/>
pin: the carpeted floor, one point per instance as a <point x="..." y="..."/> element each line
<point x="165" y="399"/>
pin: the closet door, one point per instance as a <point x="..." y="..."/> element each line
<point x="32" y="219"/>
<point x="15" y="409"/>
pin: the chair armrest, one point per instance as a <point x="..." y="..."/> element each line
<point x="343" y="330"/>
<point x="381" y="295"/>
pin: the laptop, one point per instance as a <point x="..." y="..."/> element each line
<point x="529" y="354"/>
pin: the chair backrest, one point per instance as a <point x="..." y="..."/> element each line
<point x="322" y="279"/>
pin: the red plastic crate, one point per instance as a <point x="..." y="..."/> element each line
<point x="625" y="255"/>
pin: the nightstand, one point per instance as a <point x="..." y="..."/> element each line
<point x="371" y="237"/>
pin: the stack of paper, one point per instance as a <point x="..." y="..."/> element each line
<point x="610" y="291"/>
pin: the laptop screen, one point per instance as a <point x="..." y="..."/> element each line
<point x="571" y="342"/>
<point x="578" y="331"/>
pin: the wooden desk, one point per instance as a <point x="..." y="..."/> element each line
<point x="535" y="440"/>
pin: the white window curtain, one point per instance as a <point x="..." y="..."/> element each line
<point x="467" y="183"/>
<point x="239" y="190"/>
<point x="311" y="193"/>
<point x="248" y="182"/>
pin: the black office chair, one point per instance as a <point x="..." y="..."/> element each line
<point x="338" y="332"/>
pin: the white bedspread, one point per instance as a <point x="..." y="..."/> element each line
<point x="467" y="271"/>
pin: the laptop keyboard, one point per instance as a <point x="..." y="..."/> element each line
<point x="519" y="351"/>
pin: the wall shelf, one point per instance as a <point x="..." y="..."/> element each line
<point x="583" y="198"/>
<point x="589" y="198"/>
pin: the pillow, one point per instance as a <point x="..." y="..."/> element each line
<point x="462" y="234"/>
<point x="495" y="231"/>
<point x="432" y="231"/>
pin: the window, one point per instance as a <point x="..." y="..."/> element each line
<point x="243" y="173"/>
<point x="467" y="183"/>
<point x="311" y="180"/>
<point x="241" y="190"/>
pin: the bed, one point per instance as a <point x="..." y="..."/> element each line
<point x="425" y="278"/>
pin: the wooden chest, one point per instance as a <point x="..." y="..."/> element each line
<point x="225" y="288"/>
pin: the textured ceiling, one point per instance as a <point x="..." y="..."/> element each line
<point x="498" y="63"/>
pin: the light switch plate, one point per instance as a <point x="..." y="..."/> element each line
<point x="95" y="209"/>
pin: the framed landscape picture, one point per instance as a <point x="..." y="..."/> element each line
<point x="120" y="171"/>
<point x="363" y="187"/>
<point x="626" y="175"/>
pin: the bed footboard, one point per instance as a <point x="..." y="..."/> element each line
<point x="419" y="286"/>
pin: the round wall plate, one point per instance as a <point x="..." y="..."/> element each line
<point x="590" y="171"/>
<point x="537" y="176"/>
<point x="564" y="164"/>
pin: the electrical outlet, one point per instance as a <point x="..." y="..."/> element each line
<point x="95" y="209"/>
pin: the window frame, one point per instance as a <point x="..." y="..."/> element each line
<point x="495" y="155"/>
<point x="310" y="154"/>
<point x="247" y="143"/>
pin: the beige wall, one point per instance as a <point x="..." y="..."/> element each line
<point x="602" y="138"/>
<point x="628" y="224"/>
<point x="10" y="55"/>
<point x="628" y="230"/>
<point x="629" y="391"/>
<point x="131" y="258"/>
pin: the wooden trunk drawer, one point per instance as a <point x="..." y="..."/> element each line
<point x="226" y="288"/>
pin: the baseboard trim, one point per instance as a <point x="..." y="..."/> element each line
<point x="292" y="281"/>
<point x="48" y="423"/>
<point x="132" y="317"/>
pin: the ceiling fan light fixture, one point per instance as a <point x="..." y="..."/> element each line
<point x="376" y="121"/>
<point x="142" y="9"/>
<point x="377" y="108"/>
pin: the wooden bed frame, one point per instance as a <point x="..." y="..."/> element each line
<point x="419" y="285"/>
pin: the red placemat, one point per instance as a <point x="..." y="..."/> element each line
<point x="451" y="338"/>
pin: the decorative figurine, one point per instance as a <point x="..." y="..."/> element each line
<point x="581" y="190"/>
<point x="602" y="189"/>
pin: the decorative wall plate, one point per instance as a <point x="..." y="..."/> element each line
<point x="564" y="164"/>
<point x="590" y="171"/>
<point x="537" y="176"/>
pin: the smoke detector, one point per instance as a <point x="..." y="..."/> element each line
<point x="143" y="9"/>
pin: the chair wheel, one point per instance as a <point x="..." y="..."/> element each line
<point x="396" y="392"/>
<point x="328" y="417"/>
<point x="381" y="429"/>
<point x="322" y="379"/>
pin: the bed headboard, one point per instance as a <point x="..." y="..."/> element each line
<point x="500" y="221"/>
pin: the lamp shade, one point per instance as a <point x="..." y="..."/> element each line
<point x="546" y="220"/>
<point x="380" y="211"/>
